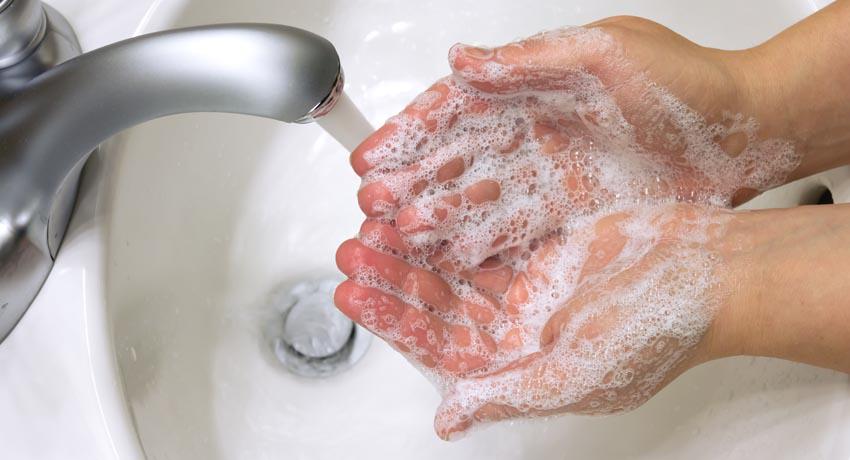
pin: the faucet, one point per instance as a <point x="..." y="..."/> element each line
<point x="57" y="106"/>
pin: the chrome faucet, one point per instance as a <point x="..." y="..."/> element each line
<point x="57" y="106"/>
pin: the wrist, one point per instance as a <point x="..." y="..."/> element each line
<point x="797" y="86"/>
<point x="783" y="276"/>
<point x="740" y="284"/>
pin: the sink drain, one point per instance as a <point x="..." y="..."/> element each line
<point x="311" y="337"/>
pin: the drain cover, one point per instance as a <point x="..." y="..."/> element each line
<point x="312" y="338"/>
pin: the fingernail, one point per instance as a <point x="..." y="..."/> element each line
<point x="476" y="52"/>
<point x="454" y="436"/>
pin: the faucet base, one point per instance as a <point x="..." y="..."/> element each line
<point x="24" y="263"/>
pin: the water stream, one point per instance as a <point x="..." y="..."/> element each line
<point x="346" y="123"/>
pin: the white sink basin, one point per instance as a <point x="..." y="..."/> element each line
<point x="199" y="218"/>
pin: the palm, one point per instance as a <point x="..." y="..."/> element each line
<point x="637" y="304"/>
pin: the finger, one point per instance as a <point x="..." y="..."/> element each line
<point x="410" y="221"/>
<point x="452" y="169"/>
<point x="555" y="325"/>
<point x="479" y="307"/>
<point x="470" y="350"/>
<point x="401" y="136"/>
<point x="382" y="196"/>
<point x="431" y="214"/>
<point x="455" y="348"/>
<point x="388" y="190"/>
<point x="368" y="266"/>
<point x="355" y="260"/>
<point x="376" y="199"/>
<point x="455" y="415"/>
<point x="430" y="101"/>
<point x="495" y="280"/>
<point x="361" y="263"/>
<point x="606" y="246"/>
<point x="548" y="252"/>
<point x="491" y="276"/>
<point x="376" y="234"/>
<point x="483" y="191"/>
<point x="361" y="159"/>
<point x="579" y="178"/>
<point x="552" y="139"/>
<point x="542" y="62"/>
<point x="371" y="308"/>
<point x="495" y="397"/>
<point x="517" y="294"/>
<point x="416" y="332"/>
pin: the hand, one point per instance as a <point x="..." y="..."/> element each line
<point x="465" y="264"/>
<point x="558" y="148"/>
<point x="596" y="321"/>
<point x="534" y="133"/>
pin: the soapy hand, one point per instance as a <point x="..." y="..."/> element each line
<point x="559" y="125"/>
<point x="523" y="245"/>
<point x="594" y="320"/>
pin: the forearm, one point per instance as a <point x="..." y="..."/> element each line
<point x="798" y="84"/>
<point x="789" y="287"/>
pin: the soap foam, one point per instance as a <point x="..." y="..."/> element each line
<point x="565" y="158"/>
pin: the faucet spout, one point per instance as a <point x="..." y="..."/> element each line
<point x="49" y="127"/>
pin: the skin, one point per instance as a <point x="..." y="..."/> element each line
<point x="775" y="293"/>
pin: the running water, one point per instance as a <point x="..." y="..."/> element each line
<point x="346" y="123"/>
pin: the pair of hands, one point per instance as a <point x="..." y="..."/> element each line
<point x="538" y="238"/>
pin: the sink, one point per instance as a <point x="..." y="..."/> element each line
<point x="188" y="225"/>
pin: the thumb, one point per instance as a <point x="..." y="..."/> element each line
<point x="491" y="398"/>
<point x="468" y="405"/>
<point x="542" y="62"/>
<point x="456" y="414"/>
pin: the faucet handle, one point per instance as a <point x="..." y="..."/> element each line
<point x="33" y="38"/>
<point x="22" y="28"/>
